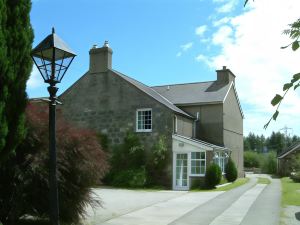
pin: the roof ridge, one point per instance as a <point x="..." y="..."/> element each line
<point x="183" y="83"/>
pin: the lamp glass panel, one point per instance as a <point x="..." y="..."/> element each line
<point x="61" y="67"/>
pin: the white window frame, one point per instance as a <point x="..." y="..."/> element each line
<point x="175" y="125"/>
<point x="201" y="160"/>
<point x="221" y="160"/>
<point x="136" y="120"/>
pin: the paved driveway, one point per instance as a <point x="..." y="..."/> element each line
<point x="248" y="204"/>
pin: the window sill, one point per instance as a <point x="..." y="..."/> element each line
<point x="197" y="175"/>
<point x="143" y="131"/>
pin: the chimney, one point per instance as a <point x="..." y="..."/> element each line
<point x="225" y="75"/>
<point x="100" y="58"/>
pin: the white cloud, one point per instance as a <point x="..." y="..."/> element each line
<point x="227" y="5"/>
<point x="186" y="46"/>
<point x="250" y="46"/>
<point x="203" y="58"/>
<point x="35" y="79"/>
<point x="178" y="54"/>
<point x="222" y="21"/>
<point x="200" y="30"/>
<point x="222" y="36"/>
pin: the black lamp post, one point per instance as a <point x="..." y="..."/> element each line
<point x="52" y="58"/>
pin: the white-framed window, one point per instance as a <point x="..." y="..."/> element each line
<point x="198" y="163"/>
<point x="144" y="120"/>
<point x="220" y="158"/>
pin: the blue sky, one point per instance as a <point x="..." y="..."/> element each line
<point x="175" y="41"/>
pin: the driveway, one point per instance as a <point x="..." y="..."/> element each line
<point x="248" y="204"/>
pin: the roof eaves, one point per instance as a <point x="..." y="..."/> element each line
<point x="212" y="146"/>
<point x="237" y="97"/>
<point x="288" y="151"/>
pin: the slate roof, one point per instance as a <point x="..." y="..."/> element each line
<point x="198" y="141"/>
<point x="290" y="149"/>
<point x="151" y="92"/>
<point x="192" y="93"/>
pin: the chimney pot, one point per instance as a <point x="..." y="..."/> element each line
<point x="100" y="58"/>
<point x="106" y="44"/>
<point x="225" y="75"/>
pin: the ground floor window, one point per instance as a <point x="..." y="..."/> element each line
<point x="220" y="158"/>
<point x="197" y="163"/>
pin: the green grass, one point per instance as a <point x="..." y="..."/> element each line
<point x="290" y="192"/>
<point x="263" y="180"/>
<point x="235" y="184"/>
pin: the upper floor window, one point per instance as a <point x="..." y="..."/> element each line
<point x="144" y="120"/>
<point x="198" y="163"/>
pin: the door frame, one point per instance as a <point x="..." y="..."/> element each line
<point x="181" y="188"/>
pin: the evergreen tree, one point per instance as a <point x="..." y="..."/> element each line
<point x="276" y="142"/>
<point x="16" y="37"/>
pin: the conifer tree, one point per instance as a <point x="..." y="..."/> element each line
<point x="16" y="37"/>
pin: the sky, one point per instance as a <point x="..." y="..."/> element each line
<point x="173" y="41"/>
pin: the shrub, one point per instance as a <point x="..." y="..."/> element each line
<point x="230" y="171"/>
<point x="129" y="155"/>
<point x="156" y="164"/>
<point x="130" y="178"/>
<point x="127" y="163"/>
<point x="213" y="175"/>
<point x="80" y="161"/>
<point x="295" y="176"/>
<point x="251" y="159"/>
<point x="268" y="163"/>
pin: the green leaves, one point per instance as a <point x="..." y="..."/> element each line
<point x="295" y="45"/>
<point x="296" y="77"/>
<point x="275" y="115"/>
<point x="287" y="86"/>
<point x="294" y="33"/>
<point x="276" y="99"/>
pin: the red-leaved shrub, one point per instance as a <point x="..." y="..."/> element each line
<point x="81" y="164"/>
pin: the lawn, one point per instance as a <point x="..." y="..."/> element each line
<point x="235" y="184"/>
<point x="263" y="180"/>
<point x="290" y="192"/>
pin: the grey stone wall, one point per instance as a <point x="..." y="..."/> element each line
<point x="107" y="103"/>
<point x="233" y="130"/>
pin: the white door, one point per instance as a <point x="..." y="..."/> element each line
<point x="181" y="171"/>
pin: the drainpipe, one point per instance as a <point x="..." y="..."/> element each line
<point x="195" y="123"/>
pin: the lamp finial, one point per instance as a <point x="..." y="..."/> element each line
<point x="53" y="30"/>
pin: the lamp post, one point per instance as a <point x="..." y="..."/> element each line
<point x="52" y="58"/>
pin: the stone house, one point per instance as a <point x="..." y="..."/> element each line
<point x="202" y="122"/>
<point x="285" y="159"/>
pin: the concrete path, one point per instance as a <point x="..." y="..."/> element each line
<point x="238" y="210"/>
<point x="248" y="204"/>
<point x="165" y="212"/>
<point x="205" y="214"/>
<point x="266" y="209"/>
